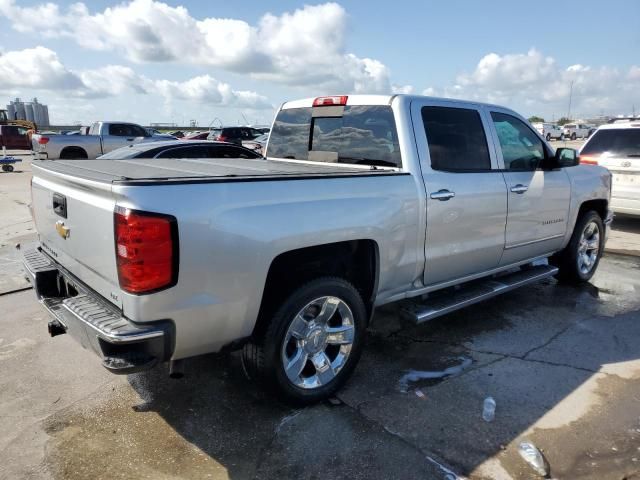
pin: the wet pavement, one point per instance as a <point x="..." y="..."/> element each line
<point x="561" y="362"/>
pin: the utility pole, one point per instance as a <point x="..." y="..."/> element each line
<point x="570" y="95"/>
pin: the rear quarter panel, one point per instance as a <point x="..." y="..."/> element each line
<point x="230" y="232"/>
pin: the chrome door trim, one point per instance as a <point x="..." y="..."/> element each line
<point x="534" y="241"/>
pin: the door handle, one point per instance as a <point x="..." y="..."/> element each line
<point x="442" y="195"/>
<point x="519" y="188"/>
<point x="130" y="139"/>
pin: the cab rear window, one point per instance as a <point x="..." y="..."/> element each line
<point x="355" y="134"/>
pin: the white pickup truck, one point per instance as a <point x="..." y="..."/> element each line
<point x="362" y="200"/>
<point x="102" y="138"/>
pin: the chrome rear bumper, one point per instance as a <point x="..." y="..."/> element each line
<point x="125" y="347"/>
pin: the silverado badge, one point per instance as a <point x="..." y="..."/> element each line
<point x="62" y="229"/>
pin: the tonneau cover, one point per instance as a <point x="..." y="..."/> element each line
<point x="172" y="169"/>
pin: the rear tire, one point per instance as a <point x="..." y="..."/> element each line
<point x="312" y="343"/>
<point x="579" y="260"/>
<point x="7" y="168"/>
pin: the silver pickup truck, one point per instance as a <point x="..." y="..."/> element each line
<point x="102" y="138"/>
<point x="362" y="201"/>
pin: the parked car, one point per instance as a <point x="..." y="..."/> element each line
<point x="181" y="149"/>
<point x="158" y="134"/>
<point x="14" y="137"/>
<point x="386" y="198"/>
<point x="616" y="146"/>
<point x="549" y="131"/>
<point x="197" y="136"/>
<point x="233" y="134"/>
<point x="258" y="144"/>
<point x="102" y="138"/>
<point x="576" y="130"/>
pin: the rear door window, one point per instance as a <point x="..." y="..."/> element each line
<point x="356" y="134"/>
<point x="615" y="143"/>
<point x="227" y="151"/>
<point x="196" y="151"/>
<point x="456" y="139"/>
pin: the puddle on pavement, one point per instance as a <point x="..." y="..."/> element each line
<point x="210" y="424"/>
<point x="602" y="442"/>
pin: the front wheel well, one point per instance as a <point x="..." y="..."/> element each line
<point x="356" y="261"/>
<point x="600" y="206"/>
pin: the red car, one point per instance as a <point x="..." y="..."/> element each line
<point x="14" y="138"/>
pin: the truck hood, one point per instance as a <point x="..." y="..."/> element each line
<point x="145" y="170"/>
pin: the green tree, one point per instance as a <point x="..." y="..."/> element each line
<point x="536" y="119"/>
<point x="563" y="120"/>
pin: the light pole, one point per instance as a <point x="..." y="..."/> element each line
<point x="570" y="95"/>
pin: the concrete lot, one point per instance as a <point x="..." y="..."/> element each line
<point x="563" y="364"/>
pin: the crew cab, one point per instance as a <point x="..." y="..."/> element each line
<point x="102" y="138"/>
<point x="549" y="131"/>
<point x="362" y="201"/>
<point x="576" y="130"/>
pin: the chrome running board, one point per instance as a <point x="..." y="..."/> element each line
<point x="451" y="299"/>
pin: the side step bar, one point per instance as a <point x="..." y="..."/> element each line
<point x="464" y="295"/>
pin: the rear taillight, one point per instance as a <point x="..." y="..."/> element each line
<point x="329" y="101"/>
<point x="43" y="140"/>
<point x="146" y="250"/>
<point x="587" y="160"/>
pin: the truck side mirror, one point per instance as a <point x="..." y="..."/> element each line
<point x="565" y="157"/>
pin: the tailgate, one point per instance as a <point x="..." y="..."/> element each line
<point x="625" y="174"/>
<point x="74" y="218"/>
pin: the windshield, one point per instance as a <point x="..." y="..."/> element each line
<point x="615" y="143"/>
<point x="358" y="134"/>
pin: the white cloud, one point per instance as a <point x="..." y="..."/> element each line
<point x="40" y="69"/>
<point x="209" y="90"/>
<point x="35" y="68"/>
<point x="539" y="84"/>
<point x="303" y="47"/>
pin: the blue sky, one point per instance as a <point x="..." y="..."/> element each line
<point x="169" y="64"/>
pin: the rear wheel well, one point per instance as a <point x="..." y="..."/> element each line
<point x="599" y="206"/>
<point x="355" y="261"/>
<point x="73" y="153"/>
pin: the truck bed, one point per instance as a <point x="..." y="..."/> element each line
<point x="163" y="170"/>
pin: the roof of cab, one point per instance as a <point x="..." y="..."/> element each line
<point x="620" y="125"/>
<point x="382" y="100"/>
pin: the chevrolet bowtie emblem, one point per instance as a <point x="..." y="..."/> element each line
<point x="62" y="229"/>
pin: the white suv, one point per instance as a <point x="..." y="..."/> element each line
<point x="549" y="131"/>
<point x="576" y="130"/>
<point x="616" y="146"/>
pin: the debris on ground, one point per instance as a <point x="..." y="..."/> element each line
<point x="416" y="375"/>
<point x="534" y="457"/>
<point x="489" y="409"/>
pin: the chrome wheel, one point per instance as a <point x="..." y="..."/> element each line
<point x="588" y="247"/>
<point x="318" y="342"/>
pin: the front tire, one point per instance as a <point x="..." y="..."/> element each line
<point x="312" y="343"/>
<point x="579" y="260"/>
<point x="548" y="137"/>
<point x="573" y="136"/>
